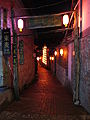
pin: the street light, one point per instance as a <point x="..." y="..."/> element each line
<point x="65" y="20"/>
<point x="20" y="24"/>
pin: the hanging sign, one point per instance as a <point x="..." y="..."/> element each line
<point x="14" y="53"/>
<point x="44" y="21"/>
<point x="21" y="52"/>
<point x="6" y="42"/>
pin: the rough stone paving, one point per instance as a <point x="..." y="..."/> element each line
<point x="45" y="99"/>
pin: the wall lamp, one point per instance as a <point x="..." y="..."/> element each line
<point x="55" y="53"/>
<point x="51" y="58"/>
<point x="61" y="52"/>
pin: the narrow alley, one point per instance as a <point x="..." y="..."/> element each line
<point x="45" y="99"/>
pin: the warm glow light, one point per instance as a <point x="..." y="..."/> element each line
<point x="40" y="58"/>
<point x="52" y="58"/>
<point x="65" y="20"/>
<point x="44" y="55"/>
<point x="37" y="58"/>
<point x="20" y="25"/>
<point x="55" y="53"/>
<point x="73" y="53"/>
<point x="61" y="52"/>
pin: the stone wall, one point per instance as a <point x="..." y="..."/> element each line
<point x="85" y="72"/>
<point x="61" y="74"/>
<point x="61" y="65"/>
<point x="84" y="84"/>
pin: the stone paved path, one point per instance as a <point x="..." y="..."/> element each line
<point x="46" y="99"/>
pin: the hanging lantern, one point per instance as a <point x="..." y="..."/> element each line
<point x="65" y="20"/>
<point x="37" y="58"/>
<point x="52" y="58"/>
<point x="61" y="52"/>
<point x="20" y="24"/>
<point x="55" y="53"/>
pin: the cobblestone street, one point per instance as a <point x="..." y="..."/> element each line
<point x="46" y="99"/>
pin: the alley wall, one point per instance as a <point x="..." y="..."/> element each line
<point x="25" y="70"/>
<point x="65" y="68"/>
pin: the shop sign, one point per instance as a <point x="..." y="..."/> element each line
<point x="6" y="42"/>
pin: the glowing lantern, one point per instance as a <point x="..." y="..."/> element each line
<point x="55" y="53"/>
<point x="61" y="52"/>
<point x="52" y="58"/>
<point x="20" y="24"/>
<point x="37" y="58"/>
<point x="65" y="20"/>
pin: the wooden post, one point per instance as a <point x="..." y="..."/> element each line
<point x="77" y="59"/>
<point x="15" y="59"/>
